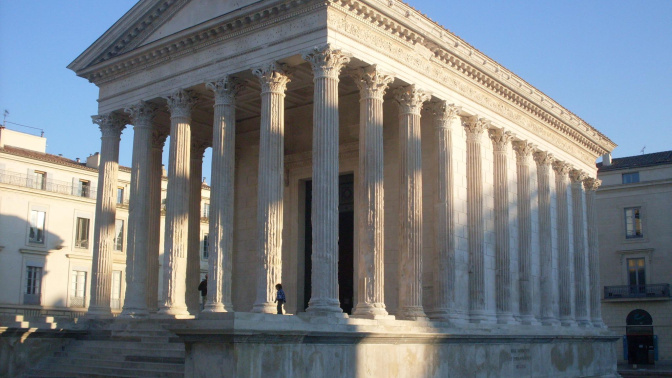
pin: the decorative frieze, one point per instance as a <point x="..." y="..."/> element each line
<point x="372" y="84"/>
<point x="410" y="100"/>
<point x="111" y="125"/>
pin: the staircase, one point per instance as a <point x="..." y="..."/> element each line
<point x="120" y="349"/>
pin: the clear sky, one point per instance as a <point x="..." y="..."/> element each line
<point x="608" y="61"/>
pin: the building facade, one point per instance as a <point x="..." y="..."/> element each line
<point x="47" y="207"/>
<point x="634" y="207"/>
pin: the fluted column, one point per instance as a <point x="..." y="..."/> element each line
<point x="565" y="249"/>
<point x="327" y="63"/>
<point x="154" y="221"/>
<point x="193" y="250"/>
<point x="580" y="245"/>
<point x="111" y="126"/>
<point x="135" y="302"/>
<point x="523" y="152"/>
<point x="445" y="118"/>
<point x="591" y="186"/>
<point x="220" y="250"/>
<point x="273" y="81"/>
<point x="372" y="85"/>
<point x="548" y="293"/>
<point x="478" y="311"/>
<point x="500" y="143"/>
<point x="174" y="305"/>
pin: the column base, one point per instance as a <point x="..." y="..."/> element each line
<point x="584" y="323"/>
<point x="506" y="318"/>
<point x="99" y="313"/>
<point x="265" y="308"/>
<point x="134" y="313"/>
<point x="371" y="311"/>
<point x="216" y="307"/>
<point x="324" y="305"/>
<point x="550" y="321"/>
<point x="528" y="319"/>
<point x="411" y="313"/>
<point x="567" y="321"/>
<point x="482" y="317"/>
<point x="598" y="323"/>
<point x="176" y="312"/>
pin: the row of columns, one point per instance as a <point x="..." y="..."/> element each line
<point x="327" y="64"/>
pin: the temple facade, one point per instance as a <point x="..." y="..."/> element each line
<point x="393" y="178"/>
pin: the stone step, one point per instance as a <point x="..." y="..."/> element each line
<point x="122" y="351"/>
<point x="151" y="365"/>
<point x="115" y="358"/>
<point x="65" y="370"/>
<point x="129" y="345"/>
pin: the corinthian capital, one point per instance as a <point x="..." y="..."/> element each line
<point x="443" y="113"/>
<point x="273" y="77"/>
<point x="159" y="136"/>
<point x="371" y="81"/>
<point x="110" y="124"/>
<point x="523" y="150"/>
<point x="500" y="139"/>
<point x="543" y="158"/>
<point x="577" y="175"/>
<point x="180" y="103"/>
<point x="410" y="98"/>
<point x="561" y="168"/>
<point x="141" y="114"/>
<point x="198" y="148"/>
<point x="327" y="61"/>
<point x="225" y="90"/>
<point x="592" y="183"/>
<point x="475" y="126"/>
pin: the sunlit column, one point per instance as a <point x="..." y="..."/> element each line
<point x="523" y="152"/>
<point x="565" y="249"/>
<point x="410" y="102"/>
<point x="135" y="302"/>
<point x="446" y="119"/>
<point x="111" y="126"/>
<point x="372" y="85"/>
<point x="194" y="251"/>
<point x="591" y="186"/>
<point x="549" y="291"/>
<point x="220" y="249"/>
<point x="580" y="246"/>
<point x="500" y="144"/>
<point x="273" y="79"/>
<point x="180" y="104"/>
<point x="154" y="223"/>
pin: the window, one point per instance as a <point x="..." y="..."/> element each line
<point x="33" y="285"/>
<point x="40" y="180"/>
<point x="206" y="210"/>
<point x="120" y="195"/>
<point x="78" y="287"/>
<point x="37" y="219"/>
<point x="633" y="223"/>
<point x="85" y="188"/>
<point x="115" y="297"/>
<point x="82" y="236"/>
<point x="637" y="275"/>
<point x="119" y="235"/>
<point x="206" y="244"/>
<point x="630" y="178"/>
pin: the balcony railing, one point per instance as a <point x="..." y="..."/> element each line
<point x="55" y="186"/>
<point x="637" y="291"/>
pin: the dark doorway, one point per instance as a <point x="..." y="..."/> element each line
<point x="640" y="339"/>
<point x="346" y="220"/>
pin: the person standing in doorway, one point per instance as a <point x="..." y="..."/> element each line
<point x="280" y="298"/>
<point x="203" y="288"/>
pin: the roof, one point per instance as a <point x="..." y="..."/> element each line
<point x="49" y="158"/>
<point x="637" y="161"/>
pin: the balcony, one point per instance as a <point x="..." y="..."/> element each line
<point x="640" y="292"/>
<point x="48" y="185"/>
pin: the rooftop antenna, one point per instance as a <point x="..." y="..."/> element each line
<point x="642" y="151"/>
<point x="4" y="119"/>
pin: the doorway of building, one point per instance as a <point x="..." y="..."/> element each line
<point x="640" y="338"/>
<point x="346" y="230"/>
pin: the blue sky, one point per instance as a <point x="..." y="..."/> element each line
<point x="608" y="61"/>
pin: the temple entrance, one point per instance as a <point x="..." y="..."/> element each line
<point x="640" y="338"/>
<point x="346" y="221"/>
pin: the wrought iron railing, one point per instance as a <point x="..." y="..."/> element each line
<point x="637" y="291"/>
<point x="49" y="185"/>
<point x="78" y="302"/>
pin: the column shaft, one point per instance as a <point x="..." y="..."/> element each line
<point x="523" y="152"/>
<point x="580" y="245"/>
<point x="410" y="102"/>
<point x="154" y="222"/>
<point x="327" y="64"/>
<point x="270" y="185"/>
<point x="370" y="195"/>
<point x="220" y="252"/>
<point x="194" y="242"/>
<point x="564" y="248"/>
<point x="591" y="186"/>
<point x="111" y="127"/>
<point x="177" y="207"/>
<point x="500" y="142"/>
<point x="548" y="290"/>
<point x="135" y="302"/>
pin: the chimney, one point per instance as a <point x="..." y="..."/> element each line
<point x="77" y="159"/>
<point x="203" y="182"/>
<point x="93" y="161"/>
<point x="606" y="159"/>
